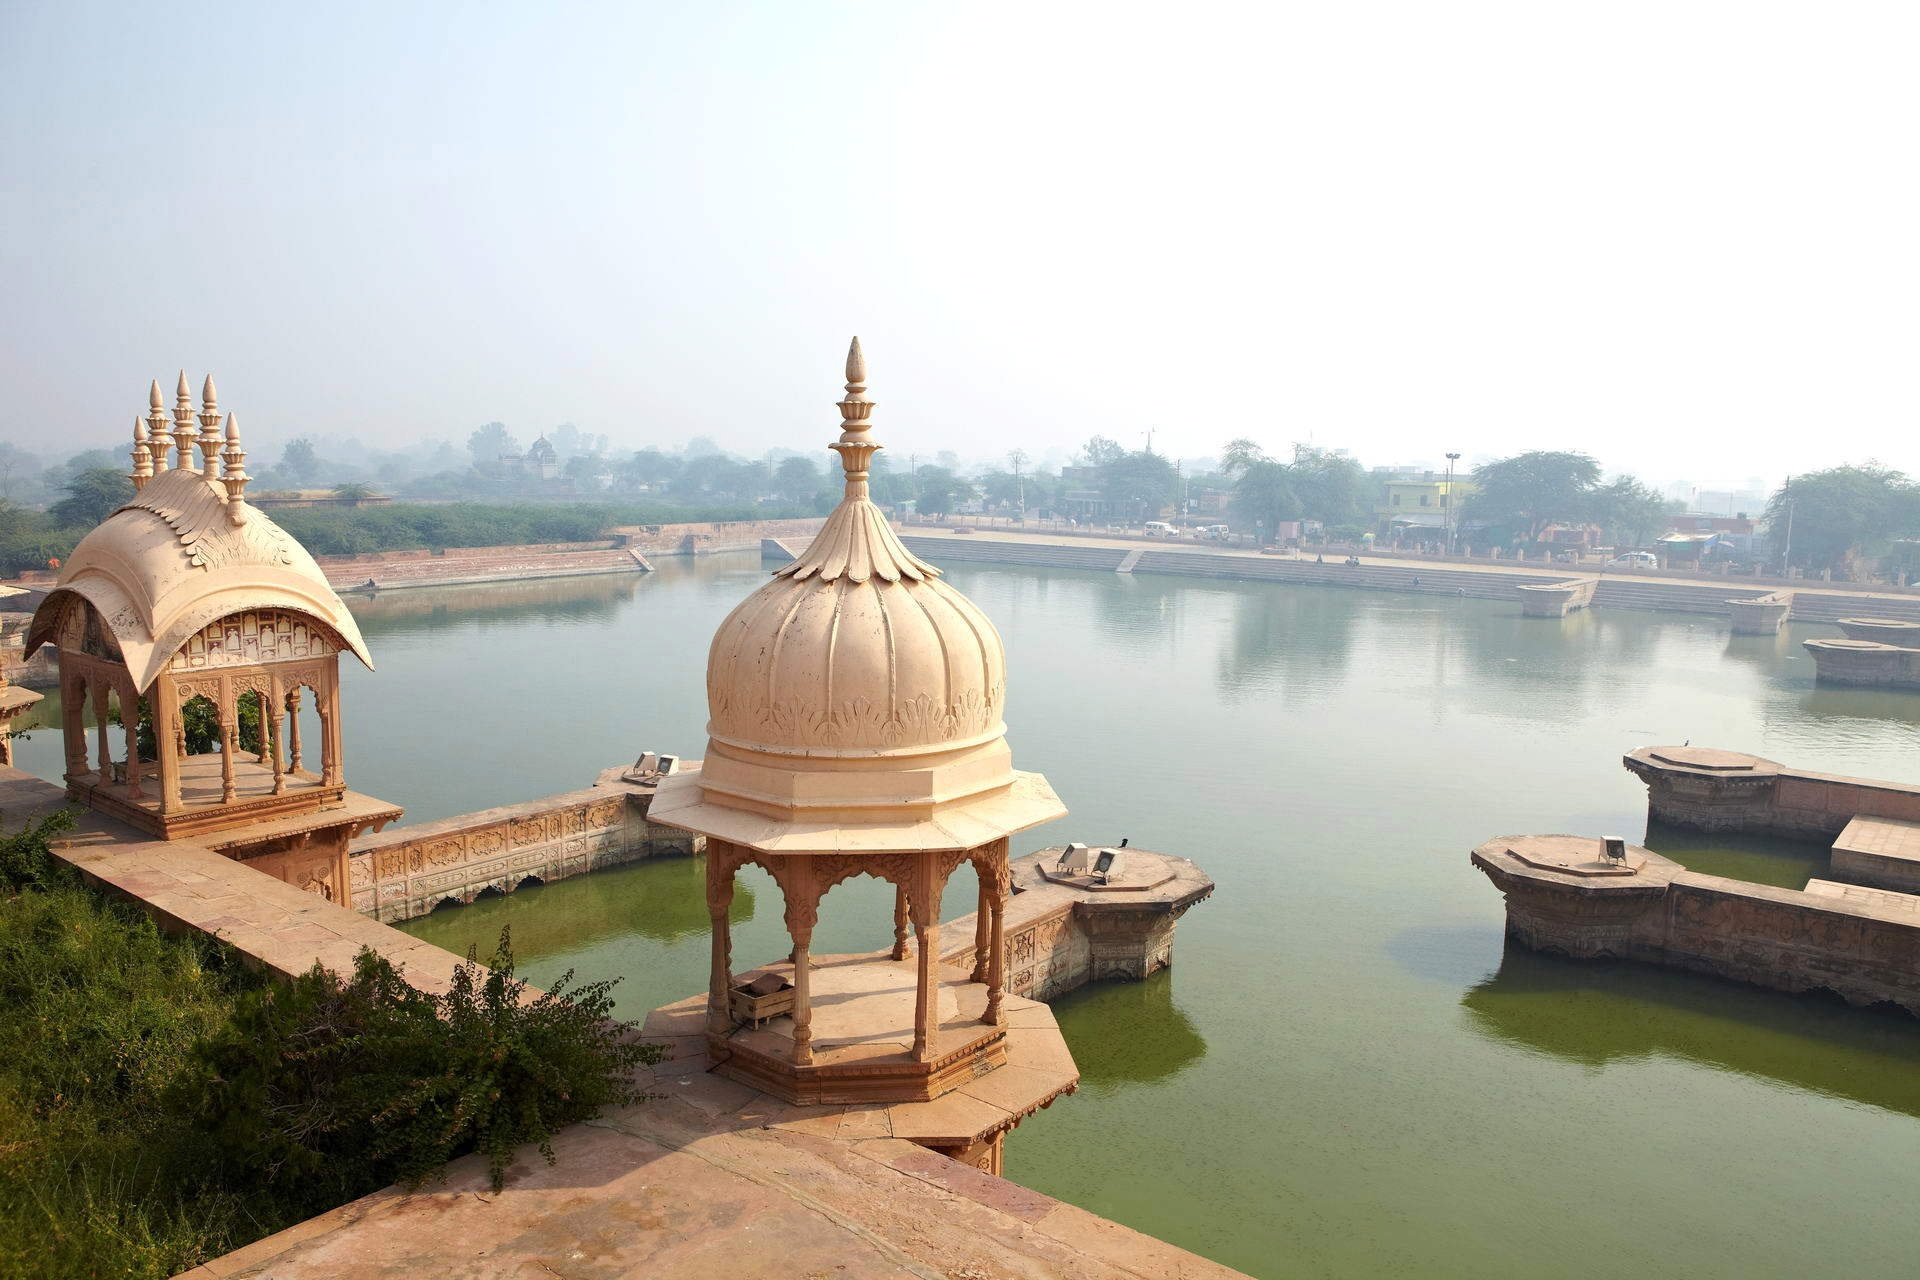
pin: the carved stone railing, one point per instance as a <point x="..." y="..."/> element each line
<point x="408" y="871"/>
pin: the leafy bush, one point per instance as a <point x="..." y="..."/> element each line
<point x="369" y="1081"/>
<point x="162" y="1104"/>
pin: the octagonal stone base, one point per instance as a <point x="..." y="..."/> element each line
<point x="864" y="1082"/>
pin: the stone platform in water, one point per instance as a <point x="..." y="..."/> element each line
<point x="1879" y="852"/>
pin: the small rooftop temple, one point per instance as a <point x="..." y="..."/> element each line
<point x="856" y="727"/>
<point x="190" y="627"/>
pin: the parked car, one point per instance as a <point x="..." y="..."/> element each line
<point x="1634" y="560"/>
<point x="1161" y="529"/>
<point x="1213" y="532"/>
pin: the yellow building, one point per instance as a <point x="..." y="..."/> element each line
<point x="1419" y="506"/>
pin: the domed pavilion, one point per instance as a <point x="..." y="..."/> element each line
<point x="187" y="607"/>
<point x="857" y="727"/>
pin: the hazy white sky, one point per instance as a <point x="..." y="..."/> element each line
<point x="1679" y="236"/>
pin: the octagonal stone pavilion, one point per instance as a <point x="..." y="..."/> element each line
<point x="856" y="727"/>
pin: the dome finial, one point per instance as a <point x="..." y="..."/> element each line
<point x="183" y="432"/>
<point x="235" y="476"/>
<point x="159" y="443"/>
<point x="855" y="447"/>
<point x="209" y="431"/>
<point x="855" y="543"/>
<point x="142" y="455"/>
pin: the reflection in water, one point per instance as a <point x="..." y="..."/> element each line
<point x="1286" y="638"/>
<point x="1785" y="864"/>
<point x="1765" y="652"/>
<point x="1595" y="1012"/>
<point x="596" y="596"/>
<point x="1128" y="1033"/>
<point x="663" y="900"/>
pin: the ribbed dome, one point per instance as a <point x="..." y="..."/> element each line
<point x="855" y="702"/>
<point x="824" y="662"/>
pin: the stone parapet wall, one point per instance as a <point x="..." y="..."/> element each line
<point x="1764" y="798"/>
<point x="714" y="536"/>
<point x="1865" y="948"/>
<point x="408" y="871"/>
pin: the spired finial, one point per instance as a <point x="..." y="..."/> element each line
<point x="235" y="477"/>
<point x="159" y="443"/>
<point x="855" y="447"/>
<point x="209" y="431"/>
<point x="142" y="455"/>
<point x="183" y="433"/>
<point x="856" y="544"/>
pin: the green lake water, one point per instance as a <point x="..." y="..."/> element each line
<point x="1347" y="1072"/>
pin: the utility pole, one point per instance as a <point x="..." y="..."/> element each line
<point x="1786" y="555"/>
<point x="1448" y="499"/>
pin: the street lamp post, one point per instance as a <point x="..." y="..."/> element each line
<point x="1448" y="499"/>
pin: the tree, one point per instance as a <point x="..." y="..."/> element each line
<point x="299" y="462"/>
<point x="1843" y="512"/>
<point x="1631" y="511"/>
<point x="1263" y="495"/>
<point x="796" y="479"/>
<point x="353" y="493"/>
<point x="1140" y="484"/>
<point x="1530" y="491"/>
<point x="1101" y="451"/>
<point x="940" y="491"/>
<point x="488" y="443"/>
<point x="1239" y="455"/>
<point x="1330" y="486"/>
<point x="92" y="496"/>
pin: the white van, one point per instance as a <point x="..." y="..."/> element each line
<point x="1161" y="529"/>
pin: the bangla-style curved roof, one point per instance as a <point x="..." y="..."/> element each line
<point x="172" y="561"/>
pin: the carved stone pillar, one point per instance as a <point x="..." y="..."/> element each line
<point x="101" y="691"/>
<point x="719" y="901"/>
<point x="73" y="723"/>
<point x="228" y="711"/>
<point x="266" y="725"/>
<point x="900" y="922"/>
<point x="803" y="912"/>
<point x="130" y="722"/>
<point x="926" y="933"/>
<point x="293" y="729"/>
<point x="982" y="928"/>
<point x="165" y="703"/>
<point x="332" y="773"/>
<point x="270" y="705"/>
<point x="996" y="895"/>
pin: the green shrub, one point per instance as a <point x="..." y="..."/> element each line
<point x="162" y="1104"/>
<point x="368" y="1081"/>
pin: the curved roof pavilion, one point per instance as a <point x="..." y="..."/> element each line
<point x="186" y="592"/>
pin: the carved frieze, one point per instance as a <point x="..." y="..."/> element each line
<point x="252" y="637"/>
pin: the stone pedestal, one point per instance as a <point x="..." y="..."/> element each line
<point x="1558" y="599"/>
<point x="1865" y="662"/>
<point x="1760" y="615"/>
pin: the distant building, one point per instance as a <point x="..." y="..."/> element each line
<point x="1416" y="505"/>
<point x="1695" y="536"/>
<point x="539" y="462"/>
